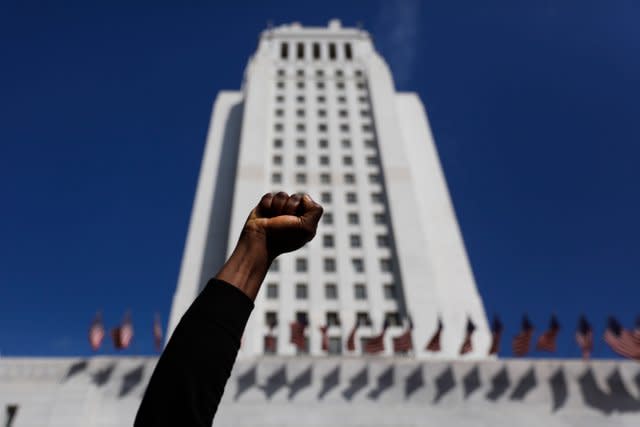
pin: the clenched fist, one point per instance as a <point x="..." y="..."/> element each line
<point x="280" y="223"/>
<point x="283" y="223"/>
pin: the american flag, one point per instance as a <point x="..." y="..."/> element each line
<point x="270" y="343"/>
<point x="496" y="334"/>
<point x="636" y="331"/>
<point x="351" y="341"/>
<point x="621" y="340"/>
<point x="522" y="341"/>
<point x="404" y="343"/>
<point x="157" y="332"/>
<point x="96" y="332"/>
<point x="584" y="337"/>
<point x="297" y="333"/>
<point x="123" y="334"/>
<point x="467" y="345"/>
<point x="547" y="341"/>
<point x="325" y="337"/>
<point x="376" y="344"/>
<point x="434" y="342"/>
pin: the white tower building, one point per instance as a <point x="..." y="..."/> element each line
<point x="318" y="113"/>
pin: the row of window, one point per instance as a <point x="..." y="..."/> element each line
<point x="301" y="112"/>
<point x="319" y="73"/>
<point x="325" y="178"/>
<point x="316" y="50"/>
<point x="323" y="160"/>
<point x="301" y="84"/>
<point x="332" y="318"/>
<point x="324" y="143"/>
<point x="335" y="345"/>
<point x="353" y="218"/>
<point x="329" y="265"/>
<point x="330" y="291"/>
<point x="321" y="99"/>
<point x="323" y="127"/>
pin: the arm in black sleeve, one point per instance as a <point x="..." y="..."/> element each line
<point x="187" y="384"/>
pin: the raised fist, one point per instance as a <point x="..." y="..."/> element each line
<point x="284" y="223"/>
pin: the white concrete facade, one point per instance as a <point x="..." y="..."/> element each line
<point x="318" y="113"/>
<point x="336" y="391"/>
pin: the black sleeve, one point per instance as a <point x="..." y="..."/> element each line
<point x="188" y="381"/>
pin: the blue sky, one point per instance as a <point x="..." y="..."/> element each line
<point x="104" y="111"/>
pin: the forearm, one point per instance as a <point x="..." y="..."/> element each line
<point x="247" y="266"/>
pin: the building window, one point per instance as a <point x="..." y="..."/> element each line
<point x="300" y="127"/>
<point x="324" y="160"/>
<point x="367" y="128"/>
<point x="300" y="113"/>
<point x="340" y="85"/>
<point x="301" y="160"/>
<point x="280" y="72"/>
<point x="280" y="84"/>
<point x="383" y="241"/>
<point x="330" y="291"/>
<point x="339" y="73"/>
<point x="323" y="143"/>
<point x="316" y="51"/>
<point x="277" y="143"/>
<point x="374" y="178"/>
<point x="300" y="50"/>
<point x="300" y="85"/>
<point x="370" y="143"/>
<point x="301" y="317"/>
<point x="325" y="197"/>
<point x="276" y="178"/>
<point x="355" y="241"/>
<point x="360" y="291"/>
<point x="392" y="318"/>
<point x="319" y="73"/>
<point x="372" y="160"/>
<point x="346" y="143"/>
<point x="353" y="218"/>
<point x="362" y="99"/>
<point x="301" y="178"/>
<point x="279" y="112"/>
<point x="327" y="218"/>
<point x="376" y="197"/>
<point x="365" y="113"/>
<point x="335" y="345"/>
<point x="342" y="99"/>
<point x="379" y="218"/>
<point x="271" y="318"/>
<point x="321" y="99"/>
<point x="279" y="98"/>
<point x="362" y="318"/>
<point x="333" y="319"/>
<point x="349" y="178"/>
<point x="301" y="291"/>
<point x="360" y="85"/>
<point x="332" y="51"/>
<point x="342" y="113"/>
<point x="284" y="50"/>
<point x="275" y="266"/>
<point x="351" y="197"/>
<point x="358" y="73"/>
<point x="301" y="265"/>
<point x="327" y="241"/>
<point x="322" y="127"/>
<point x="301" y="143"/>
<point x="358" y="265"/>
<point x="325" y="178"/>
<point x="278" y="127"/>
<point x="322" y="113"/>
<point x="389" y="291"/>
<point x="272" y="290"/>
<point x="329" y="265"/>
<point x="385" y="265"/>
<point x="277" y="159"/>
<point x="344" y="127"/>
<point x="300" y="99"/>
<point x="270" y="344"/>
<point x="320" y="85"/>
<point x="347" y="51"/>
<point x="347" y="160"/>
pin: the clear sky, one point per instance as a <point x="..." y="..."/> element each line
<point x="535" y="108"/>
